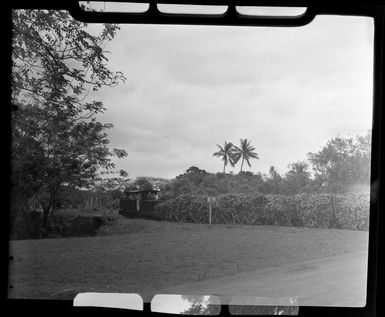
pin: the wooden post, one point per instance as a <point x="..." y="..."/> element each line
<point x="335" y="219"/>
<point x="210" y="209"/>
<point x="210" y="200"/>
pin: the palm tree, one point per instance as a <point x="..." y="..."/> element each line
<point x="246" y="151"/>
<point x="226" y="153"/>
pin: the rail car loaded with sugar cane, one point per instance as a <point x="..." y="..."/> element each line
<point x="139" y="203"/>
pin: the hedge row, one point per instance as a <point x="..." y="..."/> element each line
<point x="346" y="211"/>
<point x="29" y="226"/>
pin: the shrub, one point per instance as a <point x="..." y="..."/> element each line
<point x="316" y="210"/>
<point x="73" y="225"/>
<point x="237" y="201"/>
<point x="61" y="225"/>
<point x="281" y="210"/>
<point x="347" y="211"/>
<point x="27" y="225"/>
<point x="185" y="208"/>
<point x="352" y="210"/>
<point x="239" y="208"/>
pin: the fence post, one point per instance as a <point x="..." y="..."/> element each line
<point x="334" y="211"/>
<point x="295" y="209"/>
<point x="210" y="200"/>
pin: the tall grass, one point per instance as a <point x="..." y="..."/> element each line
<point x="346" y="211"/>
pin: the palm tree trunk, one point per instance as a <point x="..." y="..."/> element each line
<point x="224" y="167"/>
<point x="242" y="164"/>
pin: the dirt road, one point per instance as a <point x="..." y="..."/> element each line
<point x="331" y="281"/>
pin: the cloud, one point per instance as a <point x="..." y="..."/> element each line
<point x="188" y="88"/>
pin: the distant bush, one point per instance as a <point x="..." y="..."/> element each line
<point x="239" y="208"/>
<point x="61" y="225"/>
<point x="27" y="225"/>
<point x="317" y="210"/>
<point x="184" y="208"/>
<point x="72" y="225"/>
<point x="227" y="208"/>
<point x="281" y="210"/>
<point x="352" y="210"/>
<point x="346" y="211"/>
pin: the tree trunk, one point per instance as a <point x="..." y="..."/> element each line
<point x="224" y="167"/>
<point x="242" y="164"/>
<point x="45" y="225"/>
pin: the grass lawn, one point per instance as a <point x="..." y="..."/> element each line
<point x="144" y="256"/>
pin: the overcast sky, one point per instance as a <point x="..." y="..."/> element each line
<point x="188" y="88"/>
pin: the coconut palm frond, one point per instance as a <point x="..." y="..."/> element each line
<point x="227" y="154"/>
<point x="246" y="152"/>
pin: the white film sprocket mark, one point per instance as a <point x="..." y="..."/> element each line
<point x="112" y="300"/>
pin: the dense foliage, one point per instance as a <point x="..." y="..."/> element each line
<point x="63" y="224"/>
<point x="56" y="139"/>
<point x="185" y="207"/>
<point x="293" y="199"/>
<point x="198" y="182"/>
<point x="346" y="211"/>
<point x="343" y="162"/>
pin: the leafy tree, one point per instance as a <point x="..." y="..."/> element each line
<point x="158" y="181"/>
<point x="343" y="162"/>
<point x="178" y="186"/>
<point x="142" y="183"/>
<point x="256" y="310"/>
<point x="297" y="178"/>
<point x="247" y="174"/>
<point x="202" y="305"/>
<point x="113" y="186"/>
<point x="274" y="182"/>
<point x="202" y="309"/>
<point x="70" y="196"/>
<point x="210" y="305"/>
<point x="56" y="139"/>
<point x="195" y="170"/>
<point x="194" y="175"/>
<point x="246" y="152"/>
<point x="200" y="182"/>
<point x="227" y="154"/>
